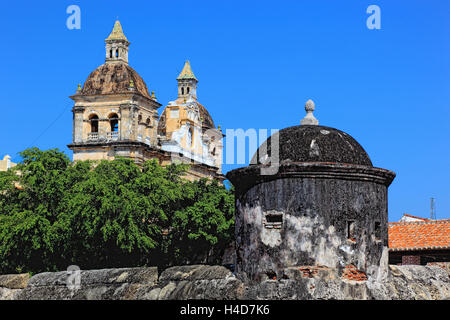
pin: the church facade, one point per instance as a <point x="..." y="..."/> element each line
<point x="115" y="115"/>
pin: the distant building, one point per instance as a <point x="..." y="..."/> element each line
<point x="421" y="241"/>
<point x="6" y="163"/>
<point x="410" y="218"/>
<point x="115" y="115"/>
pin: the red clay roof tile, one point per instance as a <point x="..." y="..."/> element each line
<point x="419" y="235"/>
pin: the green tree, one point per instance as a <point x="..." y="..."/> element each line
<point x="107" y="214"/>
<point x="201" y="228"/>
<point x="28" y="213"/>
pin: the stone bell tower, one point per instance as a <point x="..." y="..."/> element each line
<point x="114" y="113"/>
<point x="186" y="129"/>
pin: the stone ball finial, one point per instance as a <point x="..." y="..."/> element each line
<point x="309" y="119"/>
<point x="309" y="105"/>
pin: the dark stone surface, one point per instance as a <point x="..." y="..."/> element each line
<point x="328" y="201"/>
<point x="315" y="214"/>
<point x="215" y="283"/>
<point x="194" y="272"/>
<point x="102" y="284"/>
<point x="100" y="276"/>
<point x="246" y="177"/>
<point x="310" y="143"/>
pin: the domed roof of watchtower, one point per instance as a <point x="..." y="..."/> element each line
<point x="306" y="150"/>
<point x="310" y="142"/>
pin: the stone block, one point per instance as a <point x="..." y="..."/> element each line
<point x="14" y="281"/>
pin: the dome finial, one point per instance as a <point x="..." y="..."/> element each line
<point x="309" y="119"/>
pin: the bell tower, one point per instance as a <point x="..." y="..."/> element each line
<point x="116" y="45"/>
<point x="187" y="83"/>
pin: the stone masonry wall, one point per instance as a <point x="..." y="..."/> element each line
<point x="218" y="283"/>
<point x="314" y="226"/>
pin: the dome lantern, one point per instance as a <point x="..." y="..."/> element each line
<point x="187" y="82"/>
<point x="116" y="45"/>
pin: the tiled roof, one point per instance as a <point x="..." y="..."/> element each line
<point x="419" y="235"/>
<point x="186" y="73"/>
<point x="117" y="32"/>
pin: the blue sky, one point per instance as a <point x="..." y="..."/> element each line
<point x="257" y="63"/>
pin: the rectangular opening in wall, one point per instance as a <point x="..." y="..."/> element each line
<point x="273" y="221"/>
<point x="351" y="230"/>
<point x="377" y="230"/>
<point x="274" y="218"/>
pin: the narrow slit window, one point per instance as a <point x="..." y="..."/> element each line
<point x="351" y="232"/>
<point x="377" y="230"/>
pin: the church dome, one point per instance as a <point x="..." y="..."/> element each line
<point x="207" y="121"/>
<point x="314" y="143"/>
<point x="114" y="78"/>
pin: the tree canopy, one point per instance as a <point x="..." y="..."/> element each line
<point x="55" y="213"/>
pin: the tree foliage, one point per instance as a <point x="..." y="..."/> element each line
<point x="54" y="213"/>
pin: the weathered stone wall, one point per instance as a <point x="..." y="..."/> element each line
<point x="12" y="284"/>
<point x="218" y="283"/>
<point x="315" y="216"/>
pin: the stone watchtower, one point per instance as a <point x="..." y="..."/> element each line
<point x="322" y="204"/>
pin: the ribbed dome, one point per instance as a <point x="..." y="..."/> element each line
<point x="114" y="78"/>
<point x="314" y="143"/>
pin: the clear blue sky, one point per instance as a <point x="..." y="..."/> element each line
<point x="257" y="63"/>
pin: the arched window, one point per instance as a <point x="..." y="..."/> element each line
<point x="182" y="90"/>
<point x="114" y="122"/>
<point x="140" y="118"/>
<point x="94" y="123"/>
<point x="187" y="90"/>
<point x="110" y="53"/>
<point x="147" y="122"/>
<point x="117" y="53"/>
